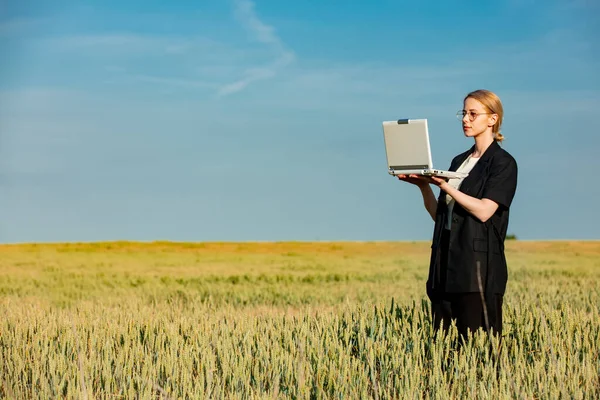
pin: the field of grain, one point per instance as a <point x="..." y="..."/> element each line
<point x="285" y="320"/>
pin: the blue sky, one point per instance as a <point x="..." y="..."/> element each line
<point x="261" y="120"/>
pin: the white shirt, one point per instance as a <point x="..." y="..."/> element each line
<point x="466" y="166"/>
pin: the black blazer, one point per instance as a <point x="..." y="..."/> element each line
<point x="474" y="245"/>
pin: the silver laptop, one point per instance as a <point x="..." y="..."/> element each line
<point x="408" y="151"/>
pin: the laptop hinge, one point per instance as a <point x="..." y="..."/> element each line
<point x="408" y="167"/>
<point x="402" y="121"/>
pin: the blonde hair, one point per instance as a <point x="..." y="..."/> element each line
<point x="493" y="105"/>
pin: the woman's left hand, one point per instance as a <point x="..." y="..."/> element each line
<point x="439" y="182"/>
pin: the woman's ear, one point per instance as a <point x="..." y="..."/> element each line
<point x="492" y="119"/>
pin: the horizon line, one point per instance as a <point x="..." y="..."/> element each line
<point x="160" y="241"/>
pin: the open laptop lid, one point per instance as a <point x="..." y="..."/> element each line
<point x="407" y="144"/>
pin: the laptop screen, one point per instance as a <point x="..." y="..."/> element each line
<point x="407" y="145"/>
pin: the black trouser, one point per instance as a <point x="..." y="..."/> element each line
<point x="467" y="309"/>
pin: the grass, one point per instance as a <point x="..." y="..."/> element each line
<point x="285" y="320"/>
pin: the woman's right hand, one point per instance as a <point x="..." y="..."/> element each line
<point x="419" y="180"/>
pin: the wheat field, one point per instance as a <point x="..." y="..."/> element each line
<point x="286" y="320"/>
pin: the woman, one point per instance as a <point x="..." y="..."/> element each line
<point x="467" y="272"/>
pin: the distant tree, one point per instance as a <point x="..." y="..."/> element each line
<point x="511" y="236"/>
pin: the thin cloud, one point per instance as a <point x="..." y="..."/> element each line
<point x="128" y="43"/>
<point x="133" y="49"/>
<point x="265" y="34"/>
<point x="20" y="26"/>
<point x="244" y="12"/>
<point x="187" y="83"/>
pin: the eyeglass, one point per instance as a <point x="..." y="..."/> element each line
<point x="472" y="114"/>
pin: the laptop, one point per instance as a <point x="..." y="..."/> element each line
<point x="408" y="151"/>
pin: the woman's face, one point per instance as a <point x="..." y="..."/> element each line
<point x="477" y="119"/>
